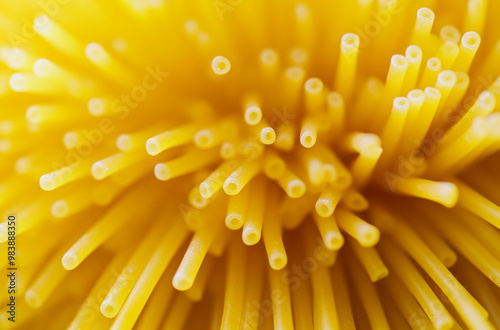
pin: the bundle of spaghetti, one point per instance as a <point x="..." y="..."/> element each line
<point x="250" y="165"/>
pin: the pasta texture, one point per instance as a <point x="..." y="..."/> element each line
<point x="229" y="164"/>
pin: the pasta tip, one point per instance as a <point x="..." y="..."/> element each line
<point x="253" y="115"/>
<point x="250" y="236"/>
<point x="96" y="106"/>
<point x="277" y="261"/>
<point x="152" y="147"/>
<point x="32" y="299"/>
<point x="221" y="65"/>
<point x="70" y="261"/>
<point x="205" y="190"/>
<point x="296" y="188"/>
<point x="471" y="40"/>
<point x="368" y="236"/>
<point x="324" y="208"/>
<point x="162" y="172"/>
<point x="108" y="309"/>
<point x="267" y="135"/>
<point x="425" y="14"/>
<point x="234" y="221"/>
<point x="307" y="139"/>
<point x="334" y="241"/>
<point x="18" y="82"/>
<point x="448" y="193"/>
<point x="47" y="182"/>
<point x="182" y="282"/>
<point x="99" y="170"/>
<point x="59" y="209"/>
<point x="232" y="186"/>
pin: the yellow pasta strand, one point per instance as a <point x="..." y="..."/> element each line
<point x="149" y="278"/>
<point x="158" y="302"/>
<point x="336" y="111"/>
<point x="309" y="132"/>
<point x="368" y="296"/>
<point x="59" y="37"/>
<point x="124" y="284"/>
<point x="274" y="165"/>
<point x="370" y="259"/>
<point x="436" y="243"/>
<point x="301" y="298"/>
<point x="52" y="275"/>
<point x="191" y="161"/>
<point x="468" y="48"/>
<point x="82" y="319"/>
<point x="253" y="112"/>
<point x="445" y="193"/>
<point x="342" y="178"/>
<point x="325" y="315"/>
<point x="417" y="285"/>
<point x="70" y="205"/>
<point x="272" y="233"/>
<point x="366" y="234"/>
<point x="62" y="176"/>
<point x="414" y="56"/>
<point x="424" y="119"/>
<point x="362" y="168"/>
<point x="466" y="305"/>
<point x="179" y="312"/>
<point x="291" y="184"/>
<point x="332" y="238"/>
<point x="430" y="74"/>
<point x="450" y="33"/>
<point x="214" y="182"/>
<point x="314" y="94"/>
<point x="347" y="63"/>
<point x="476" y="203"/>
<point x="327" y="202"/>
<point x="477" y="254"/>
<point x="112" y="164"/>
<point x="342" y="299"/>
<point x="172" y="138"/>
<point x="236" y="209"/>
<point x="447" y="54"/>
<point x="407" y="304"/>
<point x="114" y="219"/>
<point x="252" y="229"/>
<point x="250" y="316"/>
<point x="193" y="258"/>
<point x="280" y="295"/>
<point x="215" y="134"/>
<point x="423" y="26"/>
<point x="241" y="176"/>
<point x="393" y="86"/>
<point x="233" y="297"/>
<point x="483" y="289"/>
<point x="393" y="130"/>
<point x="475" y="17"/>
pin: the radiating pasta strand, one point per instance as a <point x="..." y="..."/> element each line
<point x="155" y="267"/>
